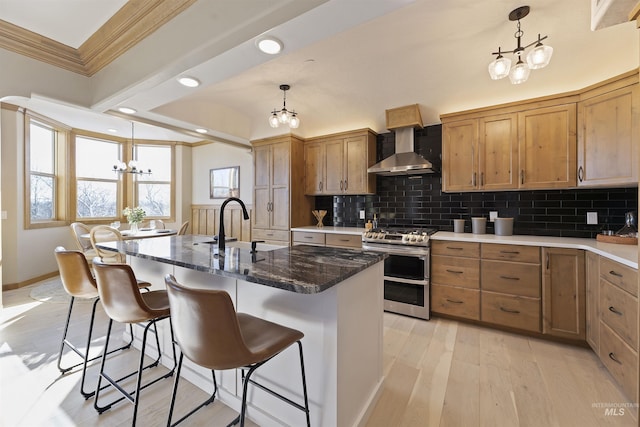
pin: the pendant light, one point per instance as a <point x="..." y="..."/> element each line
<point x="537" y="58"/>
<point x="132" y="167"/>
<point x="284" y="116"/>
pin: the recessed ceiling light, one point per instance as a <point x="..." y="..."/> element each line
<point x="269" y="45"/>
<point x="112" y="130"/>
<point x="200" y="130"/>
<point x="126" y="110"/>
<point x="189" y="81"/>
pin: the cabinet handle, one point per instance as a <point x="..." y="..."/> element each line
<point x="270" y="234"/>
<point x="340" y="185"/>
<point x="455" y="271"/>
<point x="613" y="357"/>
<point x="345" y="185"/>
<point x="473" y="180"/>
<point x="454" y="248"/>
<point x="453" y="301"/>
<point x="614" y="311"/>
<point x="482" y="179"/>
<point x="547" y="261"/>
<point x="507" y="310"/>
<point x="320" y="186"/>
<point x="344" y="240"/>
<point x="509" y="278"/>
<point x="308" y="237"/>
<point x="510" y="252"/>
<point x="580" y="173"/>
<point x="522" y="176"/>
<point x="613" y="273"/>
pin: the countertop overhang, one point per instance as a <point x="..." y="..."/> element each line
<point x="301" y="269"/>
<point x="624" y="254"/>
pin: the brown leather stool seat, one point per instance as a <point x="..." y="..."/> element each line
<point x="78" y="282"/>
<point x="211" y="334"/>
<point x="123" y="302"/>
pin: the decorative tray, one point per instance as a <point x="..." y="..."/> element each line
<point x="620" y="240"/>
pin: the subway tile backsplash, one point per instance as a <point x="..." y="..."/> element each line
<point x="419" y="201"/>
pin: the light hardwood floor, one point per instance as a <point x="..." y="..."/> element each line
<point x="438" y="373"/>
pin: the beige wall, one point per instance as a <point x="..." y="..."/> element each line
<point x="218" y="155"/>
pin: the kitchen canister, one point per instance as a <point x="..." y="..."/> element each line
<point x="503" y="226"/>
<point x="479" y="225"/>
<point x="458" y="225"/>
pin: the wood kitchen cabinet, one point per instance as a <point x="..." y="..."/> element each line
<point x="529" y="146"/>
<point x="337" y="164"/>
<point x="481" y="154"/>
<point x="563" y="293"/>
<point x="278" y="199"/>
<point x="592" y="266"/>
<point x="547" y="147"/>
<point x="608" y="131"/>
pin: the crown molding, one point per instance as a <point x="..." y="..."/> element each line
<point x="136" y="20"/>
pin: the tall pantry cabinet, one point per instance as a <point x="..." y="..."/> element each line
<point x="279" y="202"/>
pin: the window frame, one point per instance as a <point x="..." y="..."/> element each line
<point x="172" y="183"/>
<point x="60" y="175"/>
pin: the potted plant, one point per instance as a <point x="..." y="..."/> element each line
<point x="134" y="217"/>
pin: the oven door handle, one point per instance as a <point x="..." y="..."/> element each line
<point x="402" y="280"/>
<point x="421" y="256"/>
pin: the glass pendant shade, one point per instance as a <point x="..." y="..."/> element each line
<point x="539" y="57"/>
<point x="283" y="116"/>
<point x="519" y="73"/>
<point x="273" y="120"/>
<point x="294" y="122"/>
<point x="499" y="68"/>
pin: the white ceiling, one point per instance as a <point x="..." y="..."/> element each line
<point x="346" y="61"/>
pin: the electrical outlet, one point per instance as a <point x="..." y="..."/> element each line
<point x="592" y="218"/>
<point x="493" y="215"/>
<point x="362" y="214"/>
<point x="3" y="215"/>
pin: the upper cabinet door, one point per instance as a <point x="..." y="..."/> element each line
<point x="608" y="127"/>
<point x="459" y="155"/>
<point x="280" y="164"/>
<point x="335" y="157"/>
<point x="547" y="147"/>
<point x="355" y="165"/>
<point x="498" y="150"/>
<point x="262" y="166"/>
<point x="314" y="159"/>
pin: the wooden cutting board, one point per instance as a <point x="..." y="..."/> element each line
<point x="619" y="240"/>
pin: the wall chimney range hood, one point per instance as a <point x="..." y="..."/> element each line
<point x="405" y="161"/>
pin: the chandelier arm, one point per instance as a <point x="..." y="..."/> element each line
<point x="536" y="42"/>
<point x="523" y="48"/>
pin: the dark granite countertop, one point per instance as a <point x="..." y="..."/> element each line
<point x="302" y="269"/>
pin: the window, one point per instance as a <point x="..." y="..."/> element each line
<point x="153" y="192"/>
<point x="45" y="148"/>
<point x="98" y="190"/>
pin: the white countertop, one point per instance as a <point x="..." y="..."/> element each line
<point x="624" y="254"/>
<point x="330" y="229"/>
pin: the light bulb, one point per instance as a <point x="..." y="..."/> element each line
<point x="294" y="122"/>
<point x="519" y="73"/>
<point x="499" y="68"/>
<point x="133" y="164"/>
<point x="539" y="57"/>
<point x="273" y="120"/>
<point x="283" y="116"/>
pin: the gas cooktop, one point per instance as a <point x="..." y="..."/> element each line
<point x="414" y="236"/>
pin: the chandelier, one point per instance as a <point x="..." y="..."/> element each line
<point x="132" y="167"/>
<point x="284" y="116"/>
<point x="538" y="57"/>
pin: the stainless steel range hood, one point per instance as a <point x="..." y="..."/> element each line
<point x="405" y="161"/>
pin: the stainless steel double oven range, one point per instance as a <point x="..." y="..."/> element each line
<point x="407" y="268"/>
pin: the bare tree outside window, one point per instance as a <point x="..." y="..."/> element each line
<point x="97" y="186"/>
<point x="42" y="176"/>
<point x="154" y="191"/>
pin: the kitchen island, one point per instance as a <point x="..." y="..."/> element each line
<point x="334" y="296"/>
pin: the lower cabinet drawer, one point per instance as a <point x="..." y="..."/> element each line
<point x="510" y="310"/>
<point x="620" y="360"/>
<point x="455" y="271"/>
<point x="454" y="301"/>
<point x="511" y="278"/>
<point x="271" y="235"/>
<point x="620" y="275"/>
<point x="619" y="310"/>
<point x="308" y="237"/>
<point x="343" y="240"/>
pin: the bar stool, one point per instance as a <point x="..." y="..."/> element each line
<point x="124" y="303"/>
<point x="78" y="282"/>
<point x="211" y="334"/>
